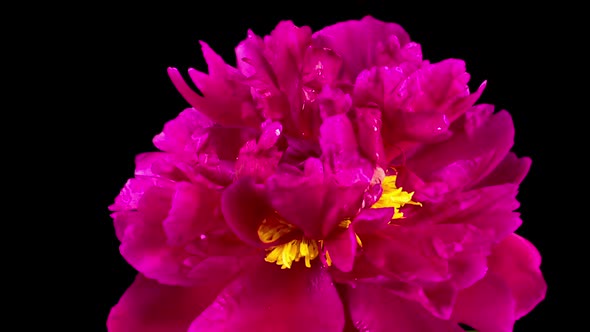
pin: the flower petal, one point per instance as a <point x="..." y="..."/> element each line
<point x="370" y="221"/>
<point x="516" y="261"/>
<point x="357" y="42"/>
<point x="269" y="299"/>
<point x="260" y="158"/>
<point x="375" y="309"/>
<point x="185" y="134"/>
<point x="195" y="209"/>
<point x="342" y="249"/>
<point x="244" y="207"/>
<point x="511" y="170"/>
<point x="487" y="306"/>
<point x="368" y="123"/>
<point x="226" y="99"/>
<point x="470" y="155"/>
<point x="149" y="306"/>
<point x="490" y="210"/>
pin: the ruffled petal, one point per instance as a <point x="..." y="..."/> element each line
<point x="149" y="306"/>
<point x="260" y="158"/>
<point x="470" y="155"/>
<point x="160" y="230"/>
<point x="328" y="198"/>
<point x="376" y="309"/>
<point x="357" y="42"/>
<point x="490" y="210"/>
<point x="226" y="99"/>
<point x="184" y="135"/>
<point x="269" y="299"/>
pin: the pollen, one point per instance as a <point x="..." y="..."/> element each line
<point x="293" y="251"/>
<point x="272" y="229"/>
<point x="394" y="197"/>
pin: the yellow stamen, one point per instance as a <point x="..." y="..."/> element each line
<point x="345" y="223"/>
<point x="358" y="240"/>
<point x="285" y="254"/>
<point x="272" y="229"/>
<point x="394" y="197"/>
<point x="328" y="259"/>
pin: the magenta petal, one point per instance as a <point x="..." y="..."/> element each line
<point x="260" y="158"/>
<point x="370" y="221"/>
<point x="489" y="209"/>
<point x="511" y="170"/>
<point x="375" y="309"/>
<point x="143" y="242"/>
<point x="244" y="208"/>
<point x="408" y="253"/>
<point x="516" y="261"/>
<point x="195" y="209"/>
<point x="148" y="306"/>
<point x="328" y="198"/>
<point x="368" y="123"/>
<point x="487" y="306"/>
<point x="227" y="98"/>
<point x="468" y="156"/>
<point x="337" y="136"/>
<point x="357" y="41"/>
<point x="425" y="126"/>
<point x="185" y="134"/>
<point x="288" y="192"/>
<point x="269" y="299"/>
<point x="342" y="249"/>
<point x="440" y="87"/>
<point x="321" y="67"/>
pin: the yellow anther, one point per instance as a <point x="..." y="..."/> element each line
<point x="272" y="229"/>
<point x="394" y="197"/>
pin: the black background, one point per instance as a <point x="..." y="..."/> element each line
<point x="121" y="96"/>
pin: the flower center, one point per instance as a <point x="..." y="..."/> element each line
<point x="274" y="227"/>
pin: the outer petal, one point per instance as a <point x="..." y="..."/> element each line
<point x="226" y="99"/>
<point x="375" y="309"/>
<point x="487" y="306"/>
<point x="516" y="261"/>
<point x="269" y="299"/>
<point x="172" y="256"/>
<point x="490" y="210"/>
<point x="511" y="170"/>
<point x="185" y="134"/>
<point x="148" y="306"/>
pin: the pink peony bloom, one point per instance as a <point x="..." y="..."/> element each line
<point x="332" y="181"/>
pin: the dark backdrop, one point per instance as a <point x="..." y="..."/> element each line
<point x="119" y="67"/>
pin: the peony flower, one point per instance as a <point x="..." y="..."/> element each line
<point x="331" y="181"/>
